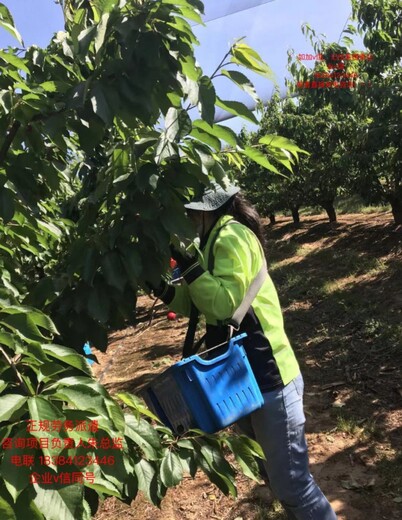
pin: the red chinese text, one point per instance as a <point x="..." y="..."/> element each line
<point x="61" y="478"/>
<point x="57" y="426"/>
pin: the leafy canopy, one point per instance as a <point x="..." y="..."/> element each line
<point x="98" y="152"/>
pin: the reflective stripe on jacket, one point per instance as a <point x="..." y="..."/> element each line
<point x="238" y="257"/>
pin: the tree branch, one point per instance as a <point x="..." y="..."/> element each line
<point x="8" y="141"/>
<point x="221" y="64"/>
<point x="19" y="376"/>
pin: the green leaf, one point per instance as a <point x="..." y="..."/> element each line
<point x="132" y="261"/>
<point x="5" y="431"/>
<point x="65" y="503"/>
<point x="6" y="100"/>
<point x="177" y="124"/>
<point x="186" y="444"/>
<point x="42" y="320"/>
<point x="121" y="163"/>
<point x="176" y="223"/>
<point x="206" y="138"/>
<point x="216" y="467"/>
<point x="101" y="33"/>
<point x="207" y="160"/>
<point x="7" y="22"/>
<point x="6" y="510"/>
<point x="50" y="369"/>
<point x="191" y="15"/>
<point x="7" y="206"/>
<point x="147" y="177"/>
<point x="104" y="6"/>
<point x="253" y="446"/>
<point x="9" y="404"/>
<point x="115" y="413"/>
<point x="136" y="404"/>
<point x="106" y="488"/>
<point x="36" y="317"/>
<point x="191" y="89"/>
<point x="41" y="409"/>
<point x="74" y="70"/>
<point x="188" y="460"/>
<point x="238" y="109"/>
<point x="90" y="264"/>
<point x="347" y="41"/>
<point x="68" y="356"/>
<point x="142" y="433"/>
<point x="277" y="141"/>
<point x="76" y="380"/>
<point x="83" y="397"/>
<point x="16" y="480"/>
<point x="25" y="507"/>
<point x="100" y="104"/>
<point x="131" y="486"/>
<point x="23" y="325"/>
<point x="165" y="150"/>
<point x="99" y="303"/>
<point x="242" y="81"/>
<point x="185" y="3"/>
<point x="244" y="457"/>
<point x="6" y="249"/>
<point x="85" y="39"/>
<point x="171" y="469"/>
<point x="207" y="99"/>
<point x="257" y="156"/>
<point x="17" y="62"/>
<point x="219" y="131"/>
<point x="117" y="473"/>
<point x="50" y="228"/>
<point x="244" y="55"/>
<point x="86" y="514"/>
<point x="54" y="86"/>
<point x="113" y="270"/>
<point x="146" y="476"/>
<point x="189" y="67"/>
<point x="184" y="27"/>
<point x="7" y="339"/>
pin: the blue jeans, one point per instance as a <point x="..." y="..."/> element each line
<point x="279" y="428"/>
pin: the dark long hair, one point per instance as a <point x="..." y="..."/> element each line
<point x="245" y="213"/>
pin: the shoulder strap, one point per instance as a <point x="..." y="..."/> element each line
<point x="188" y="348"/>
<point x="248" y="299"/>
<point x="253" y="289"/>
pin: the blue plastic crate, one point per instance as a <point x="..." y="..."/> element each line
<point x="206" y="394"/>
<point x="87" y="352"/>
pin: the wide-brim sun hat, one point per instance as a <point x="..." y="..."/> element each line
<point x="213" y="197"/>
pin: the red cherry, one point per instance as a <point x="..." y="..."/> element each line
<point x="171" y="315"/>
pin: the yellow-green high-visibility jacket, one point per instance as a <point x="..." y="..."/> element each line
<point x="237" y="258"/>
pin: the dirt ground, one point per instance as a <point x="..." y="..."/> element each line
<point x="341" y="291"/>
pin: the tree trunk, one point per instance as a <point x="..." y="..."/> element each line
<point x="396" y="207"/>
<point x="329" y="208"/>
<point x="295" y="214"/>
<point x="272" y="219"/>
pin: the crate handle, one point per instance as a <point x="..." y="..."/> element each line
<point x="229" y="342"/>
<point x="212" y="348"/>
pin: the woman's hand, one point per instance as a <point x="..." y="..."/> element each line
<point x="183" y="258"/>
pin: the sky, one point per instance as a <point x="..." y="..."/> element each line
<point x="271" y="27"/>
